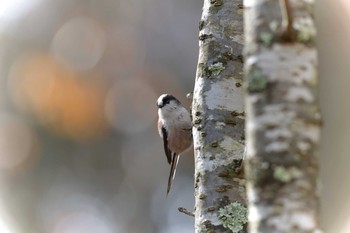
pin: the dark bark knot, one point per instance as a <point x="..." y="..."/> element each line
<point x="203" y="37"/>
<point x="216" y="2"/>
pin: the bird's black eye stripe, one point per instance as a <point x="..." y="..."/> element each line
<point x="166" y="99"/>
<point x="169" y="98"/>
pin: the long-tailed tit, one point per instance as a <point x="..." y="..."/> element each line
<point x="175" y="127"/>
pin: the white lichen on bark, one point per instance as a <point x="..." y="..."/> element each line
<point x="218" y="117"/>
<point x="223" y="93"/>
<point x="283" y="119"/>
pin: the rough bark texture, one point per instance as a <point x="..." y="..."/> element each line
<point x="283" y="119"/>
<point x="218" y="116"/>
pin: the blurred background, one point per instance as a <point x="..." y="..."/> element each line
<point x="79" y="149"/>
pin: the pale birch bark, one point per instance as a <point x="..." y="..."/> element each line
<point x="218" y="116"/>
<point x="283" y="119"/>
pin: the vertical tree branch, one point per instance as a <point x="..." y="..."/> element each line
<point x="218" y="116"/>
<point x="283" y="119"/>
<point x="288" y="32"/>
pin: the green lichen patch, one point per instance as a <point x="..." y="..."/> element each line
<point x="216" y="68"/>
<point x="282" y="174"/>
<point x="202" y="70"/>
<point x="233" y="216"/>
<point x="257" y="81"/>
<point x="273" y="25"/>
<point x="285" y="175"/>
<point x="266" y="38"/>
<point x="305" y="30"/>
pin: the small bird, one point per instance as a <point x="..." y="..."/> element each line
<point x="175" y="128"/>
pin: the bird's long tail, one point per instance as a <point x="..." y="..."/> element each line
<point x="173" y="166"/>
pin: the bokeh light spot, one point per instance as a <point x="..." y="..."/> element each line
<point x="17" y="142"/>
<point x="82" y="221"/>
<point x="58" y="97"/>
<point x="12" y="9"/>
<point x="4" y="228"/>
<point x="66" y="208"/>
<point x="79" y="43"/>
<point x="130" y="106"/>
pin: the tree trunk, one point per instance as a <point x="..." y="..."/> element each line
<point x="283" y="119"/>
<point x="218" y="116"/>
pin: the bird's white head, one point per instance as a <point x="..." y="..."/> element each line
<point x="167" y="104"/>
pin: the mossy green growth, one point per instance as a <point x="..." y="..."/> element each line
<point x="266" y="38"/>
<point x="305" y="30"/>
<point x="273" y="25"/>
<point x="257" y="81"/>
<point x="282" y="174"/>
<point x="216" y="68"/>
<point x="233" y="216"/>
<point x="286" y="174"/>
